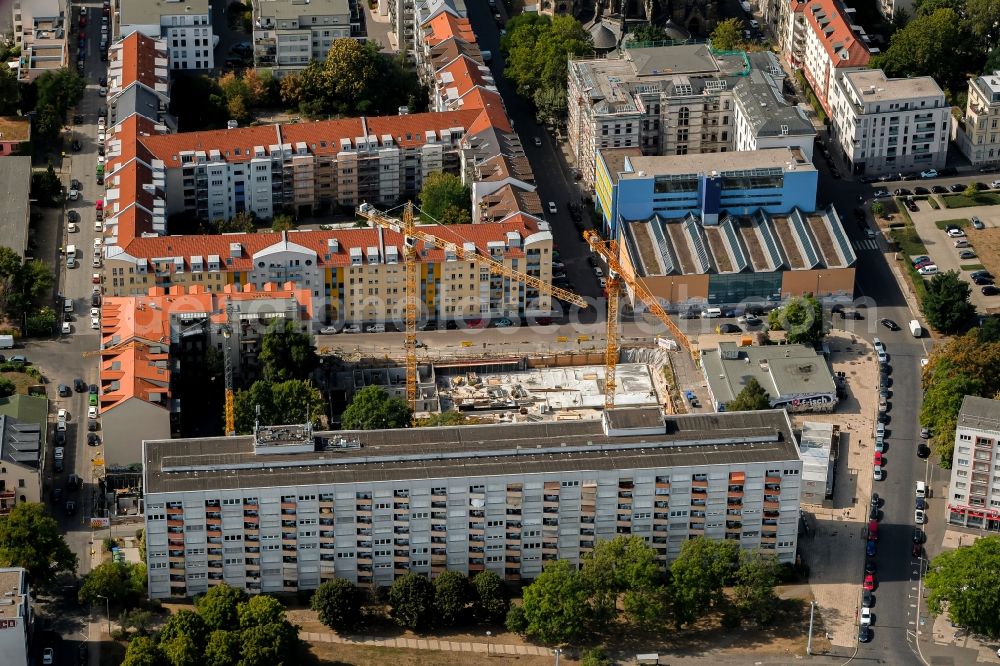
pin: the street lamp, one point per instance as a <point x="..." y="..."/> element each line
<point x="107" y="607"/>
<point x="557" y="652"/>
<point x="489" y="645"/>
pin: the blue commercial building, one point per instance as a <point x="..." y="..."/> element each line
<point x="709" y="186"/>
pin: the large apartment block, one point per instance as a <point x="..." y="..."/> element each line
<point x="288" y="34"/>
<point x="974" y="492"/>
<point x="676" y="100"/>
<point x="286" y="509"/>
<point x="186" y="27"/>
<point x="889" y="126"/>
<point x="40" y="30"/>
<point x="977" y="133"/>
<point x="821" y="38"/>
<point x="354" y="275"/>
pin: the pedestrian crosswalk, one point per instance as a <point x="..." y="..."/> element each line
<point x="866" y="244"/>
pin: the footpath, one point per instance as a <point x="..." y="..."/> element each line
<point x="428" y="644"/>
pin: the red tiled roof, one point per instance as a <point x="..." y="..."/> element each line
<point x="445" y="26"/>
<point x="162" y="247"/>
<point x="493" y="112"/>
<point x="841" y="44"/>
<point x="138" y="58"/>
<point x="465" y="74"/>
<point x="136" y="373"/>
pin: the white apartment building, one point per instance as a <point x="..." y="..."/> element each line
<point x="974" y="491"/>
<point x="889" y="126"/>
<point x="977" y="133"/>
<point x="185" y="25"/>
<point x="40" y="30"/>
<point x="289" y="34"/>
<point x="286" y="509"/>
<point x="676" y="100"/>
<point x="17" y="619"/>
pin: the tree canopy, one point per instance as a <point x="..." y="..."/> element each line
<point x="537" y="50"/>
<point x="645" y="33"/>
<point x="123" y="584"/>
<point x="492" y="600"/>
<point x="219" y="607"/>
<point x="56" y="92"/>
<point x="292" y="401"/>
<point x="801" y="318"/>
<point x="374" y="409"/>
<point x="412" y="598"/>
<point x="443" y="191"/>
<point x="555" y="607"/>
<point x="947" y="305"/>
<point x="286" y="352"/>
<point x="751" y="398"/>
<point x="698" y="575"/>
<point x="355" y="79"/>
<point x="963" y="581"/>
<point x="728" y="35"/>
<point x="965" y="365"/>
<point x="31" y="539"/>
<point x="337" y="603"/>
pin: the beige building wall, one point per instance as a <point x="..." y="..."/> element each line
<point x="823" y="282"/>
<point x="126" y="425"/>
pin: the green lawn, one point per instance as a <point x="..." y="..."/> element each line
<point x="919" y="285"/>
<point x="972" y="267"/>
<point x="961" y="223"/>
<point x="962" y="201"/>
<point x="933" y="202"/>
<point x="908" y="241"/>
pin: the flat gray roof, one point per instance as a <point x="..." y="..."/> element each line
<point x="873" y="86"/>
<point x="180" y="465"/>
<point x="148" y="12"/>
<point x="286" y="9"/>
<point x="979" y="413"/>
<point x="15" y="185"/>
<point x="787" y="159"/>
<point x="783" y="370"/>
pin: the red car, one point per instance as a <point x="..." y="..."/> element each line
<point x="878" y="458"/>
<point x="870" y="582"/>
<point x="873" y="530"/>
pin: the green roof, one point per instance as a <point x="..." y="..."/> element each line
<point x="27" y="409"/>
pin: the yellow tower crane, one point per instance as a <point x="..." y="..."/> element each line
<point x="411" y="234"/>
<point x="608" y="250"/>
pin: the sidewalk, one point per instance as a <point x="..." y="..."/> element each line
<point x="428" y="644"/>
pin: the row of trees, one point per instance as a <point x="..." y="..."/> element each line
<point x="24" y="288"/>
<point x="226" y="629"/>
<point x="417" y="603"/>
<point x="536" y="50"/>
<point x="50" y="96"/>
<point x="966" y="365"/>
<point x="622" y="582"/>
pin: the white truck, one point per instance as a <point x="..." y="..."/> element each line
<point x="915" y="329"/>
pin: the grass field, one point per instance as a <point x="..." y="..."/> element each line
<point x="908" y="241"/>
<point x="962" y="201"/>
<point x="972" y="267"/>
<point x="960" y="222"/>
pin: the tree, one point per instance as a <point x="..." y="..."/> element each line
<point x="698" y="576"/>
<point x="32" y="540"/>
<point x="123" y="584"/>
<point x="143" y="651"/>
<point x="646" y="33"/>
<point x="929" y="45"/>
<point x="242" y="222"/>
<point x="452" y="593"/>
<point x="138" y="619"/>
<point x="412" y="600"/>
<point x="293" y="401"/>
<point x="219" y="607"/>
<point x="595" y="657"/>
<point x="989" y="330"/>
<point x="222" y="648"/>
<point x="56" y="91"/>
<point x="537" y="49"/>
<point x="40" y="323"/>
<point x="260" y="610"/>
<point x="46" y="187"/>
<point x="282" y="223"/>
<point x="442" y="191"/>
<point x="31" y="285"/>
<point x="625" y="565"/>
<point x="946" y="305"/>
<point x="556" y="606"/>
<point x="10" y="264"/>
<point x="185" y="623"/>
<point x="755" y="580"/>
<point x="878" y="209"/>
<point x="971" y="191"/>
<point x="10" y="92"/>
<point x="455" y="215"/>
<point x="492" y="601"/>
<point x="751" y="398"/>
<point x="286" y="352"/>
<point x="802" y="320"/>
<point x="728" y="35"/>
<point x="181" y="651"/>
<point x="273" y="644"/>
<point x="338" y="604"/>
<point x="963" y="581"/>
<point x="372" y="408"/>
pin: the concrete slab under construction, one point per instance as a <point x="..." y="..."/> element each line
<point x="553" y="392"/>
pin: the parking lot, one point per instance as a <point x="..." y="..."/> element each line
<point x="941" y="248"/>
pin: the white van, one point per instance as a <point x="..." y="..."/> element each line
<point x="921" y="489"/>
<point x="375" y="328"/>
<point x="71" y="251"/>
<point x="711" y="313"/>
<point x="68" y="305"/>
<point x="6" y="341"/>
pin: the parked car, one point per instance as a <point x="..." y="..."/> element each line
<point x="967" y="254"/>
<point x="981" y="273"/>
<point x="729" y="328"/>
<point x="957" y="187"/>
<point x="977" y="223"/>
<point x="866" y="615"/>
<point x="929" y="173"/>
<point x="869" y="583"/>
<point x="982" y="281"/>
<point x="955" y="232"/>
<point x="902" y="192"/>
<point x="881" y="193"/>
<point x="877" y="473"/>
<point x="871" y="548"/>
<point x="864" y="633"/>
<point x="990" y="290"/>
<point x="919" y="517"/>
<point x="921" y="191"/>
<point x="929" y="269"/>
